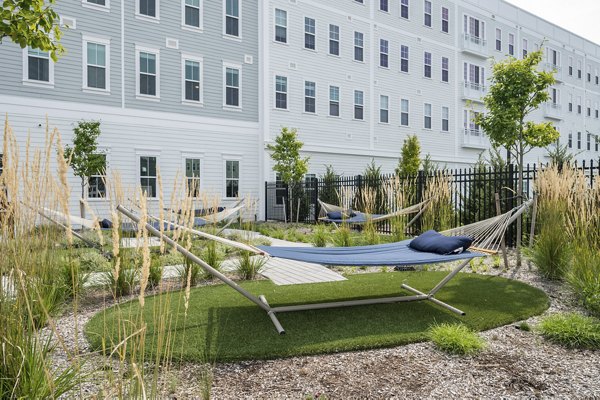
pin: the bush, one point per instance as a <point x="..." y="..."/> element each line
<point x="125" y="283"/>
<point x="320" y="236"/>
<point x="584" y="277"/>
<point x="92" y="260"/>
<point x="155" y="272"/>
<point x="213" y="257"/>
<point x="342" y="237"/>
<point x="551" y="250"/>
<point x="171" y="258"/>
<point x="72" y="278"/>
<point x="572" y="330"/>
<point x="248" y="266"/>
<point x="456" y="339"/>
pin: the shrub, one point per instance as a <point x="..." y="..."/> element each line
<point x="319" y="236"/>
<point x="155" y="272"/>
<point x="92" y="260"/>
<point x="572" y="330"/>
<point x="456" y="339"/>
<point x="342" y="237"/>
<point x="584" y="277"/>
<point x="72" y="278"/>
<point x="213" y="257"/>
<point x="192" y="269"/>
<point x="550" y="252"/>
<point x="248" y="266"/>
<point x="125" y="282"/>
<point x="171" y="258"/>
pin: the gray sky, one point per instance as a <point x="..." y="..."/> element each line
<point x="579" y="16"/>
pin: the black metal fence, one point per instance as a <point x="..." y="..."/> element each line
<point x="472" y="193"/>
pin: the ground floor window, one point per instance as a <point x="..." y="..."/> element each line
<point x="232" y="178"/>
<point x="192" y="174"/>
<point x="97" y="181"/>
<point x="148" y="175"/>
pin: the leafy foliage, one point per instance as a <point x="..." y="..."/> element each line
<point x="328" y="192"/>
<point x="83" y="156"/>
<point x="410" y="159"/>
<point x="286" y="154"/>
<point x="31" y="23"/>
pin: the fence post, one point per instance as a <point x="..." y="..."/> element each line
<point x="316" y="198"/>
<point x="266" y="200"/>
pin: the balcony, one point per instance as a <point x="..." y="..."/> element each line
<point x="553" y="111"/>
<point x="474" y="45"/>
<point x="548" y="66"/>
<point x="475" y="139"/>
<point x="474" y="91"/>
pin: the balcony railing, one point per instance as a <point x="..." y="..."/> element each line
<point x="473" y="91"/>
<point x="474" y="44"/>
<point x="553" y="111"/>
<point x="475" y="138"/>
<point x="548" y="66"/>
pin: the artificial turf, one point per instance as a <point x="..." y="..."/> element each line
<point x="221" y="325"/>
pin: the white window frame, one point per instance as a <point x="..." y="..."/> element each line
<point x="106" y="152"/>
<point x="498" y="41"/>
<point x="425" y="13"/>
<point x="407" y="111"/>
<point x="99" y="7"/>
<point x="239" y="18"/>
<point x="155" y="51"/>
<point x="382" y="109"/>
<point x="524" y="47"/>
<point x="287" y="38"/>
<point x="446" y="68"/>
<point x="33" y="82"/>
<point x="384" y="45"/>
<point x="240" y="73"/>
<point x="407" y="58"/>
<point x="314" y="97"/>
<point x="446" y="20"/>
<point x="387" y="5"/>
<point x="147" y="153"/>
<point x="200" y="60"/>
<point x="313" y="34"/>
<point x="196" y="156"/>
<point x="426" y="115"/>
<point x="275" y="91"/>
<point x="362" y="47"/>
<point x="185" y="26"/>
<point x="361" y="105"/>
<point x="149" y="18"/>
<point x="425" y="64"/>
<point x="479" y="40"/>
<point x="511" y="44"/>
<point x="579" y="70"/>
<point x="445" y="118"/>
<point x="338" y="101"/>
<point x="232" y="157"/>
<point x="405" y="4"/>
<point x="84" y="53"/>
<point x="337" y="40"/>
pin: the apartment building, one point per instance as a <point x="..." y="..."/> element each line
<point x="201" y="87"/>
<point x="174" y="84"/>
<point x="356" y="77"/>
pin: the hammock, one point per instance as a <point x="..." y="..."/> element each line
<point x="358" y="218"/>
<point x="487" y="238"/>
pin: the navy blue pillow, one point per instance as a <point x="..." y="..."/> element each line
<point x="106" y="224"/>
<point x="335" y="215"/>
<point x="434" y="242"/>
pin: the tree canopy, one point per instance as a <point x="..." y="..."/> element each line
<point x="83" y="156"/>
<point x="410" y="158"/>
<point x="31" y="23"/>
<point x="286" y="154"/>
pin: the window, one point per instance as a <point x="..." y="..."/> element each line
<point x="148" y="84"/>
<point x="383" y="53"/>
<point x="359" y="50"/>
<point x="596" y="148"/>
<point x="471" y="128"/>
<point x="589" y="73"/>
<point x="427" y="13"/>
<point x="232" y="17"/>
<point x="511" y="44"/>
<point x="570" y="140"/>
<point x="232" y="86"/>
<point x="404" y="9"/>
<point x="334" y="101"/>
<point x="404" y="112"/>
<point x="474" y="76"/>
<point x="1" y="161"/>
<point x="192" y="174"/>
<point x="334" y="40"/>
<point x="474" y="30"/>
<point x="445" y="20"/>
<point x="148" y="175"/>
<point x="555" y="97"/>
<point x="359" y="105"/>
<point x="588" y="107"/>
<point x="384" y="6"/>
<point x="384" y="109"/>
<point x="578" y="140"/>
<point x="427" y="116"/>
<point x="309" y="33"/>
<point x="597" y="78"/>
<point x="578" y="104"/>
<point x="280" y="26"/>
<point x="100" y="4"/>
<point x="360" y="1"/>
<point x="498" y="39"/>
<point x="445" y="119"/>
<point x="570" y="66"/>
<point x="192" y="73"/>
<point x="97" y="180"/>
<point x="553" y="58"/>
<point x="404" y="58"/>
<point x="95" y="70"/>
<point x="589" y="141"/>
<point x="310" y="97"/>
<point x="39" y="66"/>
<point x="232" y="178"/>
<point x="525" y="43"/>
<point x="281" y="92"/>
<point x="192" y="13"/>
<point x="445" y="66"/>
<point x="570" y="102"/>
<point x="596" y="109"/>
<point x="578" y="69"/>
<point x="148" y="8"/>
<point x="427" y="65"/>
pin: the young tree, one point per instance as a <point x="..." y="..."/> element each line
<point x="517" y="89"/>
<point x="31" y="23"/>
<point x="328" y="192"/>
<point x="410" y="159"/>
<point x="288" y="163"/>
<point x="83" y="156"/>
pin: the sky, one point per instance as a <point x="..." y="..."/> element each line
<point x="578" y="16"/>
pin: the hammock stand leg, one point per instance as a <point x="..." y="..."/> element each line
<point x="430" y="296"/>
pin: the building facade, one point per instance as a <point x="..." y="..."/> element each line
<point x="201" y="87"/>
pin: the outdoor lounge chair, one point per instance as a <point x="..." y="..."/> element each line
<point x="359" y="218"/>
<point x="487" y="237"/>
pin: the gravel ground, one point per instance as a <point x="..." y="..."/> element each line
<point x="516" y="364"/>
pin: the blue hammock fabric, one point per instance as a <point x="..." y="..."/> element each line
<point x="358" y="218"/>
<point x="390" y="254"/>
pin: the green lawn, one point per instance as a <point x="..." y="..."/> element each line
<point x="223" y="326"/>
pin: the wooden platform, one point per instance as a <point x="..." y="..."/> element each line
<point x="290" y="272"/>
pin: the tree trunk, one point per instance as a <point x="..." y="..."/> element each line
<point x="520" y="197"/>
<point x="81" y="205"/>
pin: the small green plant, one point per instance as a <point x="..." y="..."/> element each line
<point x="248" y="266"/>
<point x="496" y="261"/>
<point x="571" y="330"/>
<point x="213" y="257"/>
<point x="584" y="277"/>
<point x="370" y="234"/>
<point x="524" y="326"/>
<point x="92" y="261"/>
<point x="155" y="272"/>
<point x="398" y="228"/>
<point x="320" y="236"/>
<point x="73" y="279"/>
<point x="456" y="339"/>
<point x="206" y="381"/>
<point x="551" y="251"/>
<point x="192" y="270"/>
<point x="171" y="258"/>
<point x="342" y="237"/>
<point x="125" y="282"/>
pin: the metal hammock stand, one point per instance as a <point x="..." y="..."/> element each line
<point x="487" y="238"/>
